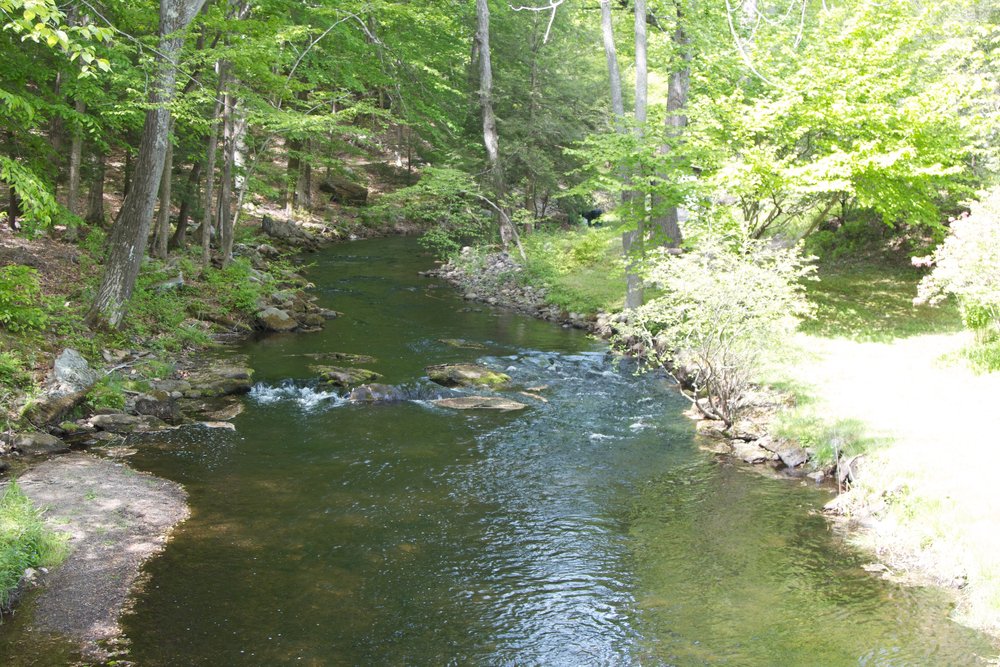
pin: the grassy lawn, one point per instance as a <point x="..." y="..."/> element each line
<point x="873" y="301"/>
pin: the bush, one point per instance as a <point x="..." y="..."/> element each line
<point x="24" y="540"/>
<point x="723" y="307"/>
<point x="20" y="299"/>
<point x="581" y="270"/>
<point x="967" y="265"/>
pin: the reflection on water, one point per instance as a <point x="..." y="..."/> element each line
<point x="585" y="530"/>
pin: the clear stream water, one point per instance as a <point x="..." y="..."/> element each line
<point x="588" y="530"/>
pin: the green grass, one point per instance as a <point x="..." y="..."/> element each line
<point x="873" y="301"/>
<point x="581" y="270"/>
<point x="24" y="540"/>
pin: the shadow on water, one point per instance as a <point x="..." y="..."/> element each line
<point x="585" y="530"/>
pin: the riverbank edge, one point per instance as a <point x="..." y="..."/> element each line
<point x="494" y="281"/>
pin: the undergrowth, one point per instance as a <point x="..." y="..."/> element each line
<point x="24" y="540"/>
<point x="581" y="270"/>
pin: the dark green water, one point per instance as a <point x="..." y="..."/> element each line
<point x="588" y="530"/>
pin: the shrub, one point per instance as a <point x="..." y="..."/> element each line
<point x="109" y="392"/>
<point x="24" y="540"/>
<point x="723" y="307"/>
<point x="20" y="299"/>
<point x="967" y="264"/>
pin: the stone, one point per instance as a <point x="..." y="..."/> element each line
<point x="376" y="393"/>
<point x="276" y="319"/>
<point x="222" y="380"/>
<point x="463" y="344"/>
<point x="71" y="373"/>
<point x="751" y="452"/>
<point x="345" y="357"/>
<point x="817" y="476"/>
<point x="465" y="375"/>
<point x="38" y="444"/>
<point x="159" y="404"/>
<point x="711" y="428"/>
<point x="480" y="403"/>
<point x="50" y="408"/>
<point x="345" y="377"/>
<point x="122" y="423"/>
<point x="312" y="320"/>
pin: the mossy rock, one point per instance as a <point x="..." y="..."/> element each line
<point x="345" y="377"/>
<point x="344" y="357"/>
<point x="466" y="375"/>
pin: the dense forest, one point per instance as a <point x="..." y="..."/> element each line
<point x="697" y="182"/>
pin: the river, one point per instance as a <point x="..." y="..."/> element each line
<point x="586" y="530"/>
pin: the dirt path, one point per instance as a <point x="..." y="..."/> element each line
<point x="116" y="519"/>
<point x="930" y="493"/>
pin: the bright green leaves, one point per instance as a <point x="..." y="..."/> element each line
<point x="42" y="22"/>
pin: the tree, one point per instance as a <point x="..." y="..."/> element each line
<point x="131" y="230"/>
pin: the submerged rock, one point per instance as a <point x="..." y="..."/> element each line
<point x="345" y="377"/>
<point x="463" y="344"/>
<point x="376" y="393"/>
<point x="465" y="375"/>
<point x="342" y="356"/>
<point x="480" y="403"/>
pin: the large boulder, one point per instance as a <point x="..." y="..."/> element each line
<point x="221" y="380"/>
<point x="276" y="319"/>
<point x="343" y="191"/>
<point x="38" y="444"/>
<point x="67" y="385"/>
<point x="466" y="375"/>
<point x="479" y="403"/>
<point x="71" y="373"/>
<point x="345" y="377"/>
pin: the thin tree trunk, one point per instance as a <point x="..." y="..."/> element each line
<point x="208" y="219"/>
<point x="131" y="230"/>
<point x="95" y="198"/>
<point x="226" y="187"/>
<point x="292" y="176"/>
<point x="75" y="154"/>
<point x="188" y="197"/>
<point x="162" y="235"/>
<point x="608" y="33"/>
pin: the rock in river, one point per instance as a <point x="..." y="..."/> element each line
<point x="276" y="319"/>
<point x="345" y="377"/>
<point x="465" y="375"/>
<point x="480" y="403"/>
<point x="376" y="393"/>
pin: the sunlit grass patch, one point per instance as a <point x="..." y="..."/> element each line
<point x="582" y="270"/>
<point x="24" y="540"/>
<point x="874" y="302"/>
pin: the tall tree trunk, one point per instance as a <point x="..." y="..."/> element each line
<point x="75" y="154"/>
<point x="608" y="34"/>
<point x="292" y="176"/>
<point x="303" y="184"/>
<point x="95" y="198"/>
<point x="226" y="186"/>
<point x="188" y="197"/>
<point x="208" y="217"/>
<point x="162" y="235"/>
<point x="131" y="230"/>
<point x="508" y="233"/>
<point x="634" y="241"/>
<point x="667" y="223"/>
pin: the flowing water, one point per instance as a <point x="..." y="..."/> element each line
<point x="585" y="530"/>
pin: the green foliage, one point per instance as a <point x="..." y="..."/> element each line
<point x="447" y="202"/>
<point x="109" y="392"/>
<point x="21" y="299"/>
<point x="13" y="371"/>
<point x="581" y="270"/>
<point x="724" y="306"/>
<point x="235" y="287"/>
<point x="24" y="540"/>
<point x="37" y="203"/>
<point x="966" y="266"/>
